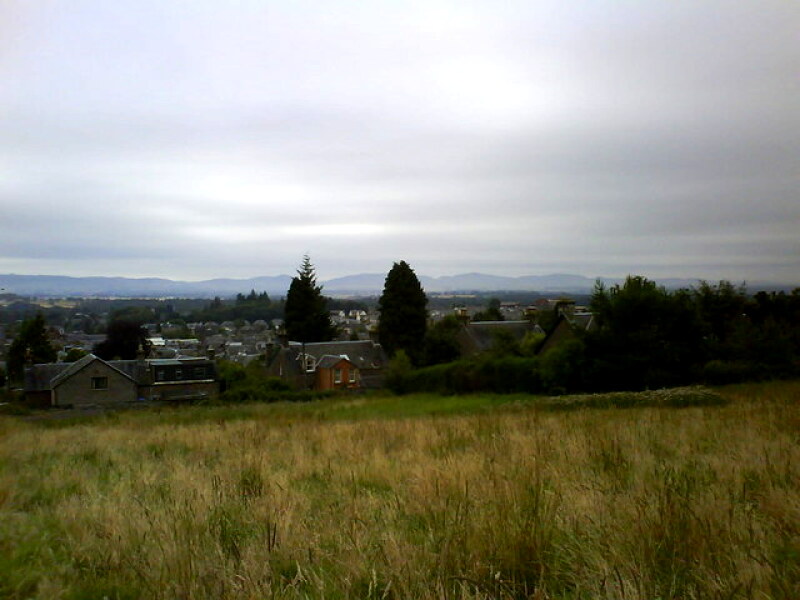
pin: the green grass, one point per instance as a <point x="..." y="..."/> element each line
<point x="667" y="494"/>
<point x="378" y="406"/>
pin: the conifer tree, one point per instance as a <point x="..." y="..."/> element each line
<point x="305" y="314"/>
<point x="403" y="312"/>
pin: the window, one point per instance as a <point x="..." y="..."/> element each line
<point x="199" y="373"/>
<point x="352" y="376"/>
<point x="337" y="376"/>
<point x="310" y="364"/>
<point x="178" y="374"/>
<point x="99" y="383"/>
<point x="160" y="375"/>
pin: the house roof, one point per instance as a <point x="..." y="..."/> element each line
<point x="44" y="377"/>
<point x="364" y="354"/>
<point x="563" y="330"/>
<point x="38" y="377"/>
<point x="72" y="368"/>
<point x="479" y="336"/>
<point x="135" y="369"/>
<point x="583" y="320"/>
<point x="329" y="361"/>
<point x="165" y="362"/>
<point x="80" y="364"/>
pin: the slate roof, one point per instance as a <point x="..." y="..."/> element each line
<point x="163" y="362"/>
<point x="364" y="354"/>
<point x="583" y="320"/>
<point x="328" y="361"/>
<point x="38" y="377"/>
<point x="479" y="336"/>
<point x="137" y="370"/>
<point x="44" y="377"/>
<point x="561" y="331"/>
<point x="72" y="368"/>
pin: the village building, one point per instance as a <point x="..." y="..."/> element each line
<point x="476" y="337"/>
<point x="92" y="381"/>
<point x="566" y="328"/>
<point x="329" y="365"/>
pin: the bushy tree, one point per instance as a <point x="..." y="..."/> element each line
<point x="125" y="340"/>
<point x="397" y="373"/>
<point x="31" y="345"/>
<point x="403" y="313"/>
<point x="721" y="314"/>
<point x="646" y="337"/>
<point x="748" y="338"/>
<point x="306" y="315"/>
<point x="491" y="313"/>
<point x="561" y="369"/>
<point x="530" y="343"/>
<point x="251" y="307"/>
<point x="441" y="342"/>
<point x="75" y="354"/>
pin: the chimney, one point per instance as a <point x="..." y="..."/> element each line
<point x="461" y="313"/>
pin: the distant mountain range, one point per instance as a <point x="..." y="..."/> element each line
<point x="56" y="285"/>
<point x="467" y="282"/>
<point x="363" y="284"/>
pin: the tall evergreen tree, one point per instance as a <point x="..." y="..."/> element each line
<point x="30" y="346"/>
<point x="306" y="314"/>
<point x="403" y="312"/>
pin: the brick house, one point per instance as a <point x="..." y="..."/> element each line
<point x="336" y="373"/>
<point x="365" y="361"/>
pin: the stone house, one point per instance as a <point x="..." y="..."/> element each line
<point x="179" y="379"/>
<point x="92" y="381"/>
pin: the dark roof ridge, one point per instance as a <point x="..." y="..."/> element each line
<point x="338" y="342"/>
<point x="79" y="365"/>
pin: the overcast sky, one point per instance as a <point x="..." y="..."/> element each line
<point x="194" y="140"/>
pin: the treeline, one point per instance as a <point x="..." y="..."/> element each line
<point x="642" y="337"/>
<point x="647" y="337"/>
<point x="250" y="307"/>
<point x="254" y="306"/>
<point x="22" y="310"/>
<point x="90" y="315"/>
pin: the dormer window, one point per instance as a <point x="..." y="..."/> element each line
<point x="310" y="364"/>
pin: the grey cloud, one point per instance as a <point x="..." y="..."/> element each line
<point x="596" y="138"/>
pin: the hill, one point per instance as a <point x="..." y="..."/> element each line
<point x="365" y="284"/>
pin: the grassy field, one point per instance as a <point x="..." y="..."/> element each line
<point x="411" y="497"/>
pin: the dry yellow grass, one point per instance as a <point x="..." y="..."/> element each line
<point x="639" y="503"/>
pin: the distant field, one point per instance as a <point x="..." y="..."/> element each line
<point x="683" y="494"/>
